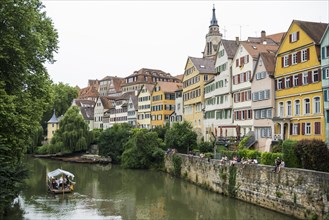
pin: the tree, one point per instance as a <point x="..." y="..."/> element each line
<point x="28" y="40"/>
<point x="61" y="99"/>
<point x="143" y="150"/>
<point x="111" y="141"/>
<point x="181" y="136"/>
<point x="73" y="134"/>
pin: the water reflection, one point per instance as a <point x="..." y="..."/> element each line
<point x="109" y="192"/>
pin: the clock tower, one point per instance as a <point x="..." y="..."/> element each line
<point x="212" y="38"/>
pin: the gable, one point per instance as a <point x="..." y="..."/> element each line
<point x="303" y="39"/>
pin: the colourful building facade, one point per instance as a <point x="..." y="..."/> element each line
<point x="299" y="96"/>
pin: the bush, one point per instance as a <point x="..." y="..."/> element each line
<point x="289" y="153"/>
<point x="268" y="158"/>
<point x="209" y="155"/>
<point x="313" y="154"/>
<point x="205" y="147"/>
<point x="229" y="154"/>
<point x="42" y="149"/>
<point x="243" y="142"/>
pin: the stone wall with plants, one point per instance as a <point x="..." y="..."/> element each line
<point x="297" y="192"/>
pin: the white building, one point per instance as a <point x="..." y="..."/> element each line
<point x="102" y="105"/>
<point x="218" y="95"/>
<point x="144" y="106"/>
<point x="177" y="115"/>
<point x="132" y="110"/>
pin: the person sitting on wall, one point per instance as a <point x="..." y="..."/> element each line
<point x="277" y="165"/>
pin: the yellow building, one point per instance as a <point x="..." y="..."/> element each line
<point x="299" y="98"/>
<point x="52" y="126"/>
<point x="198" y="71"/>
<point x="163" y="102"/>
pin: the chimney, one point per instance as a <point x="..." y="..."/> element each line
<point x="237" y="40"/>
<point x="262" y="36"/>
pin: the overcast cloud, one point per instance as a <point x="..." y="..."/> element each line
<point x="115" y="38"/>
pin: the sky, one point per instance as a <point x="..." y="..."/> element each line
<point x="115" y="38"/>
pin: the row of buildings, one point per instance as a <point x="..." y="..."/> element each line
<point x="274" y="86"/>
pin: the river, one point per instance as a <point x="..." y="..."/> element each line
<point x="110" y="192"/>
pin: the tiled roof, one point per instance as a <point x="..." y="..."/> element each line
<point x="269" y="62"/>
<point x="180" y="77"/>
<point x="169" y="86"/>
<point x="150" y="72"/>
<point x="254" y="49"/>
<point x="204" y="65"/>
<point x="89" y="91"/>
<point x="134" y="100"/>
<point x="149" y="87"/>
<point x="117" y="81"/>
<point x="276" y="37"/>
<point x="313" y="29"/>
<point x="87" y="113"/>
<point x="230" y="47"/>
<point x="106" y="101"/>
<point x="80" y="102"/>
<point x="125" y="96"/>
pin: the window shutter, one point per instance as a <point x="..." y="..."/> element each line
<point x="283" y="83"/>
<point x="247" y="58"/>
<point x="320" y="75"/>
<point x="234" y="115"/>
<point x="245" y="114"/>
<point x="317" y="127"/>
<point x="241" y="61"/>
<point x="303" y="128"/>
<point x="282" y="61"/>
<point x="290" y="36"/>
<point x="291" y="84"/>
<point x="323" y="52"/>
<point x="323" y="73"/>
<point x="291" y="125"/>
<point x="325" y="95"/>
<point x="289" y="59"/>
<point x="245" y="95"/>
<point x="245" y="76"/>
<point x="237" y="62"/>
<point x="243" y="98"/>
<point x="298" y="56"/>
<point x="238" y="78"/>
<point x="297" y="35"/>
<point x="309" y="77"/>
<point x="300" y="76"/>
<point x="298" y="128"/>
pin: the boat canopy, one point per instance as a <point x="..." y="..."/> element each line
<point x="59" y="172"/>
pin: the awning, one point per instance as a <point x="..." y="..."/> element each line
<point x="59" y="172"/>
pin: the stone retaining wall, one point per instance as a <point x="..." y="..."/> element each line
<point x="297" y="192"/>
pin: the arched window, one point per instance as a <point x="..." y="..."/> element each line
<point x="316" y="105"/>
<point x="307" y="106"/>
<point x="297" y="107"/>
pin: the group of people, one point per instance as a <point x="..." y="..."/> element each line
<point x="278" y="162"/>
<point x="60" y="182"/>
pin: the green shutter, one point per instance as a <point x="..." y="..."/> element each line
<point x="325" y="94"/>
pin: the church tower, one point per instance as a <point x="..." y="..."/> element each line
<point x="212" y="38"/>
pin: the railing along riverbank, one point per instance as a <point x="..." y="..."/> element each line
<point x="296" y="192"/>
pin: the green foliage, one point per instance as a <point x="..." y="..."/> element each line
<point x="289" y="153"/>
<point x="209" y="155"/>
<point x="73" y="134"/>
<point x="268" y="158"/>
<point x="313" y="155"/>
<point x="248" y="154"/>
<point x="277" y="148"/>
<point x="232" y="181"/>
<point x="229" y="154"/>
<point x="96" y="133"/>
<point x="205" y="147"/>
<point x="161" y="131"/>
<point x="28" y="40"/>
<point x="243" y="142"/>
<point x="143" y="150"/>
<point x="177" y="161"/>
<point x="111" y="141"/>
<point x="181" y="136"/>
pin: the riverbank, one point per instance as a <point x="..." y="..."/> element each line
<point x="77" y="158"/>
<point x="300" y="193"/>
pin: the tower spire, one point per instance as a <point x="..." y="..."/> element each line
<point x="213" y="21"/>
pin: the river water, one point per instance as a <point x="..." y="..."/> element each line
<point x="110" y="192"/>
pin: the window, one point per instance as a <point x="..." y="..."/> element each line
<point x="304" y="55"/>
<point x="257" y="114"/>
<point x="280" y="110"/>
<point x="205" y="77"/>
<point x="307" y="107"/>
<point x="315" y="76"/>
<point x="289" y="108"/>
<point x="265" y="132"/>
<point x="263" y="113"/>
<point x="307" y="128"/>
<point x="305" y="77"/>
<point x="297" y="107"/>
<point x="269" y="113"/>
<point x="294" y="58"/>
<point x="287" y="82"/>
<point x="316" y="107"/>
<point x="295" y="80"/>
<point x="325" y="52"/>
<point x="295" y="129"/>
<point x="326" y="73"/>
<point x="294" y="37"/>
<point x="267" y="94"/>
<point x="279" y="84"/>
<point x="286" y="61"/>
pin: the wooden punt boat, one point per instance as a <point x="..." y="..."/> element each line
<point x="60" y="181"/>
